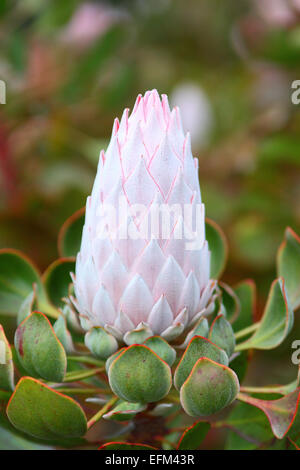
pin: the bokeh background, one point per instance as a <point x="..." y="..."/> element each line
<point x="71" y="66"/>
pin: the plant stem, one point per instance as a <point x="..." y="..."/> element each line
<point x="258" y="389"/>
<point x="281" y="389"/>
<point x="101" y="412"/>
<point x="74" y="376"/>
<point x="248" y="399"/>
<point x="86" y="360"/>
<point x="48" y="310"/>
<point x="246" y="331"/>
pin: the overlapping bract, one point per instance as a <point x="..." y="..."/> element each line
<point x="156" y="281"/>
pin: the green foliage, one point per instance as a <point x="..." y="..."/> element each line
<point x="34" y="409"/>
<point x="63" y="334"/>
<point x="246" y="293"/>
<point x="124" y="411"/>
<point x="248" y="428"/>
<point x="230" y="302"/>
<point x="276" y="322"/>
<point x="100" y="343"/>
<point x="218" y="246"/>
<point x="219" y="386"/>
<point x="198" y="347"/>
<point x="57" y="280"/>
<point x="69" y="238"/>
<point x="125" y="446"/>
<point x="138" y="335"/>
<point x="283" y="414"/>
<point x="288" y="266"/>
<point x="17" y="277"/>
<point x="221" y="333"/>
<point x="11" y="439"/>
<point x="193" y="436"/>
<point x="27" y="306"/>
<point x="139" y="375"/>
<point x="39" y="351"/>
<point x="62" y="98"/>
<point x="162" y="349"/>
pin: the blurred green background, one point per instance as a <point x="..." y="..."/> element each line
<point x="71" y="66"/>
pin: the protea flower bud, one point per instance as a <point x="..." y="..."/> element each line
<point x="144" y="263"/>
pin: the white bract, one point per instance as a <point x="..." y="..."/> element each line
<point x="144" y="262"/>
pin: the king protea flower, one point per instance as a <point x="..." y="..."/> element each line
<point x="130" y="276"/>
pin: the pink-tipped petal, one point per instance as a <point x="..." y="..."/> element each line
<point x="102" y="309"/>
<point x="136" y="300"/>
<point x="169" y="283"/>
<point x="161" y="316"/>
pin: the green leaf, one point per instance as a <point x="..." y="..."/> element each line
<point x="100" y="343"/>
<point x="276" y="322"/>
<point x="201" y="329"/>
<point x="218" y="246"/>
<point x="230" y="302"/>
<point x="283" y="414"/>
<point x="11" y="439"/>
<point x="249" y="428"/>
<point x="69" y="238"/>
<point x="193" y="436"/>
<point x="71" y="318"/>
<point x="139" y="375"/>
<point x="17" y="276"/>
<point x="57" y="280"/>
<point x="198" y="347"/>
<point x="6" y="364"/>
<point x="239" y="363"/>
<point x="27" y="306"/>
<point x="288" y="266"/>
<point x="209" y="388"/>
<point x="246" y="293"/>
<point x="124" y="411"/>
<point x="43" y="413"/>
<point x="125" y="446"/>
<point x="162" y="349"/>
<point x="39" y="350"/>
<point x="221" y="333"/>
<point x="63" y="334"/>
<point x="138" y="335"/>
<point x="111" y="359"/>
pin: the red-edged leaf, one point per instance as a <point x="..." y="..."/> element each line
<point x="39" y="350"/>
<point x="283" y="414"/>
<point x="57" y="279"/>
<point x="17" y="276"/>
<point x="125" y="446"/>
<point x="39" y="411"/>
<point x="230" y="302"/>
<point x="124" y="411"/>
<point x="193" y="436"/>
<point x="276" y="322"/>
<point x="288" y="265"/>
<point x="246" y="292"/>
<point x="218" y="246"/>
<point x="69" y="237"/>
